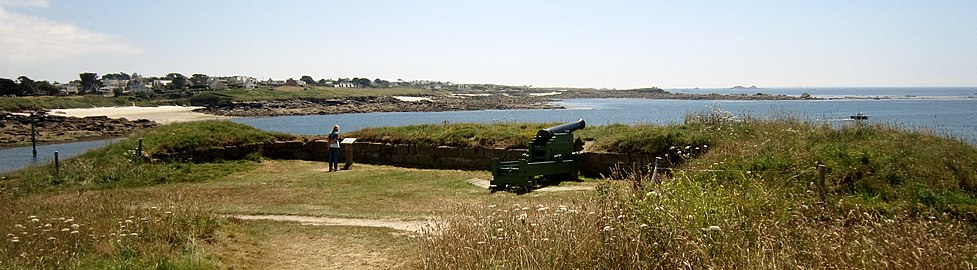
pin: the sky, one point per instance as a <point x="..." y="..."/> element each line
<point x="599" y="44"/>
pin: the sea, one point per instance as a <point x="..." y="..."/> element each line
<point x="950" y="112"/>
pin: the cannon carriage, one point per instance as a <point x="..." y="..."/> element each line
<point x="551" y="156"/>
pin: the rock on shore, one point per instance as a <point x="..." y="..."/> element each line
<point x="16" y="128"/>
<point x="312" y="106"/>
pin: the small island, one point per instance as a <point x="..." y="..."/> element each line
<point x="741" y="87"/>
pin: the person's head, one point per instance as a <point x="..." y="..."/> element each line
<point x="335" y="128"/>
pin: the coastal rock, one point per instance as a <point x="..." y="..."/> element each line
<point x="16" y="128"/>
<point x="312" y="106"/>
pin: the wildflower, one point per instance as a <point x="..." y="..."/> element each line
<point x="32" y="217"/>
<point x="546" y="239"/>
<point x="136" y="234"/>
<point x="34" y="220"/>
<point x="15" y="240"/>
<point x="74" y="226"/>
<point x="169" y="213"/>
<point x="70" y="220"/>
<point x="153" y="208"/>
<point x="51" y="238"/>
<point x="19" y="226"/>
<point x="690" y="216"/>
<point x="541" y="209"/>
<point x="643" y="226"/>
<point x="74" y="232"/>
<point x="607" y="228"/>
<point x="620" y="216"/>
<point x="890" y="221"/>
<point x="47" y="225"/>
<point x="525" y="208"/>
<point x="499" y="229"/>
<point x="480" y="242"/>
<point x="491" y="206"/>
<point x="65" y="230"/>
<point x="651" y="193"/>
<point x="11" y="235"/>
<point x="128" y="221"/>
<point x="712" y="228"/>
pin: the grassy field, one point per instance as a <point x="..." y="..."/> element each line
<point x="745" y="198"/>
<point x="260" y="94"/>
<point x="69" y="102"/>
<point x="291" y="92"/>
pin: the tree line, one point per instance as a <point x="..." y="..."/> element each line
<point x="24" y="86"/>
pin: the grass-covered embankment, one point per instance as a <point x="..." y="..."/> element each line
<point x="646" y="139"/>
<point x="65" y="220"/>
<point x="292" y="92"/>
<point x="744" y="199"/>
<point x="16" y="104"/>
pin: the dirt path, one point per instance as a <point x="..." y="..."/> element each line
<point x="419" y="226"/>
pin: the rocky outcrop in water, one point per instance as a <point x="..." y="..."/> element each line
<point x="311" y="106"/>
<point x="16" y="128"/>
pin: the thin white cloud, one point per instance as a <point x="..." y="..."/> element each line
<point x="29" y="38"/>
<point x="24" y="3"/>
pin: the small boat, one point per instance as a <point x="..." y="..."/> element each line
<point x="859" y="116"/>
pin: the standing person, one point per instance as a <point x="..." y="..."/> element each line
<point x="334" y="149"/>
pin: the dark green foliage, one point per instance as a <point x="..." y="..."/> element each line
<point x="210" y="99"/>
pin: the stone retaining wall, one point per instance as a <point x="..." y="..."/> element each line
<point x="401" y="155"/>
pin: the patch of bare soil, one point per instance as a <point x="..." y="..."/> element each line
<point x="482" y="183"/>
<point x="410" y="226"/>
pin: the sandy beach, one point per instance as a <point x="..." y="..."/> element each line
<point x="161" y="114"/>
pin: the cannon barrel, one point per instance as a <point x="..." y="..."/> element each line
<point x="547" y="133"/>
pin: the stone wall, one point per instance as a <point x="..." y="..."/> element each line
<point x="402" y="155"/>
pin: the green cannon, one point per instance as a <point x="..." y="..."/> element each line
<point x="551" y="157"/>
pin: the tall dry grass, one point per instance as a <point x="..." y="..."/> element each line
<point x="684" y="223"/>
<point x="101" y="230"/>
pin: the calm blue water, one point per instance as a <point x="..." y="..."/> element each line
<point x="17" y="158"/>
<point x="835" y="92"/>
<point x="950" y="117"/>
<point x="947" y="111"/>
